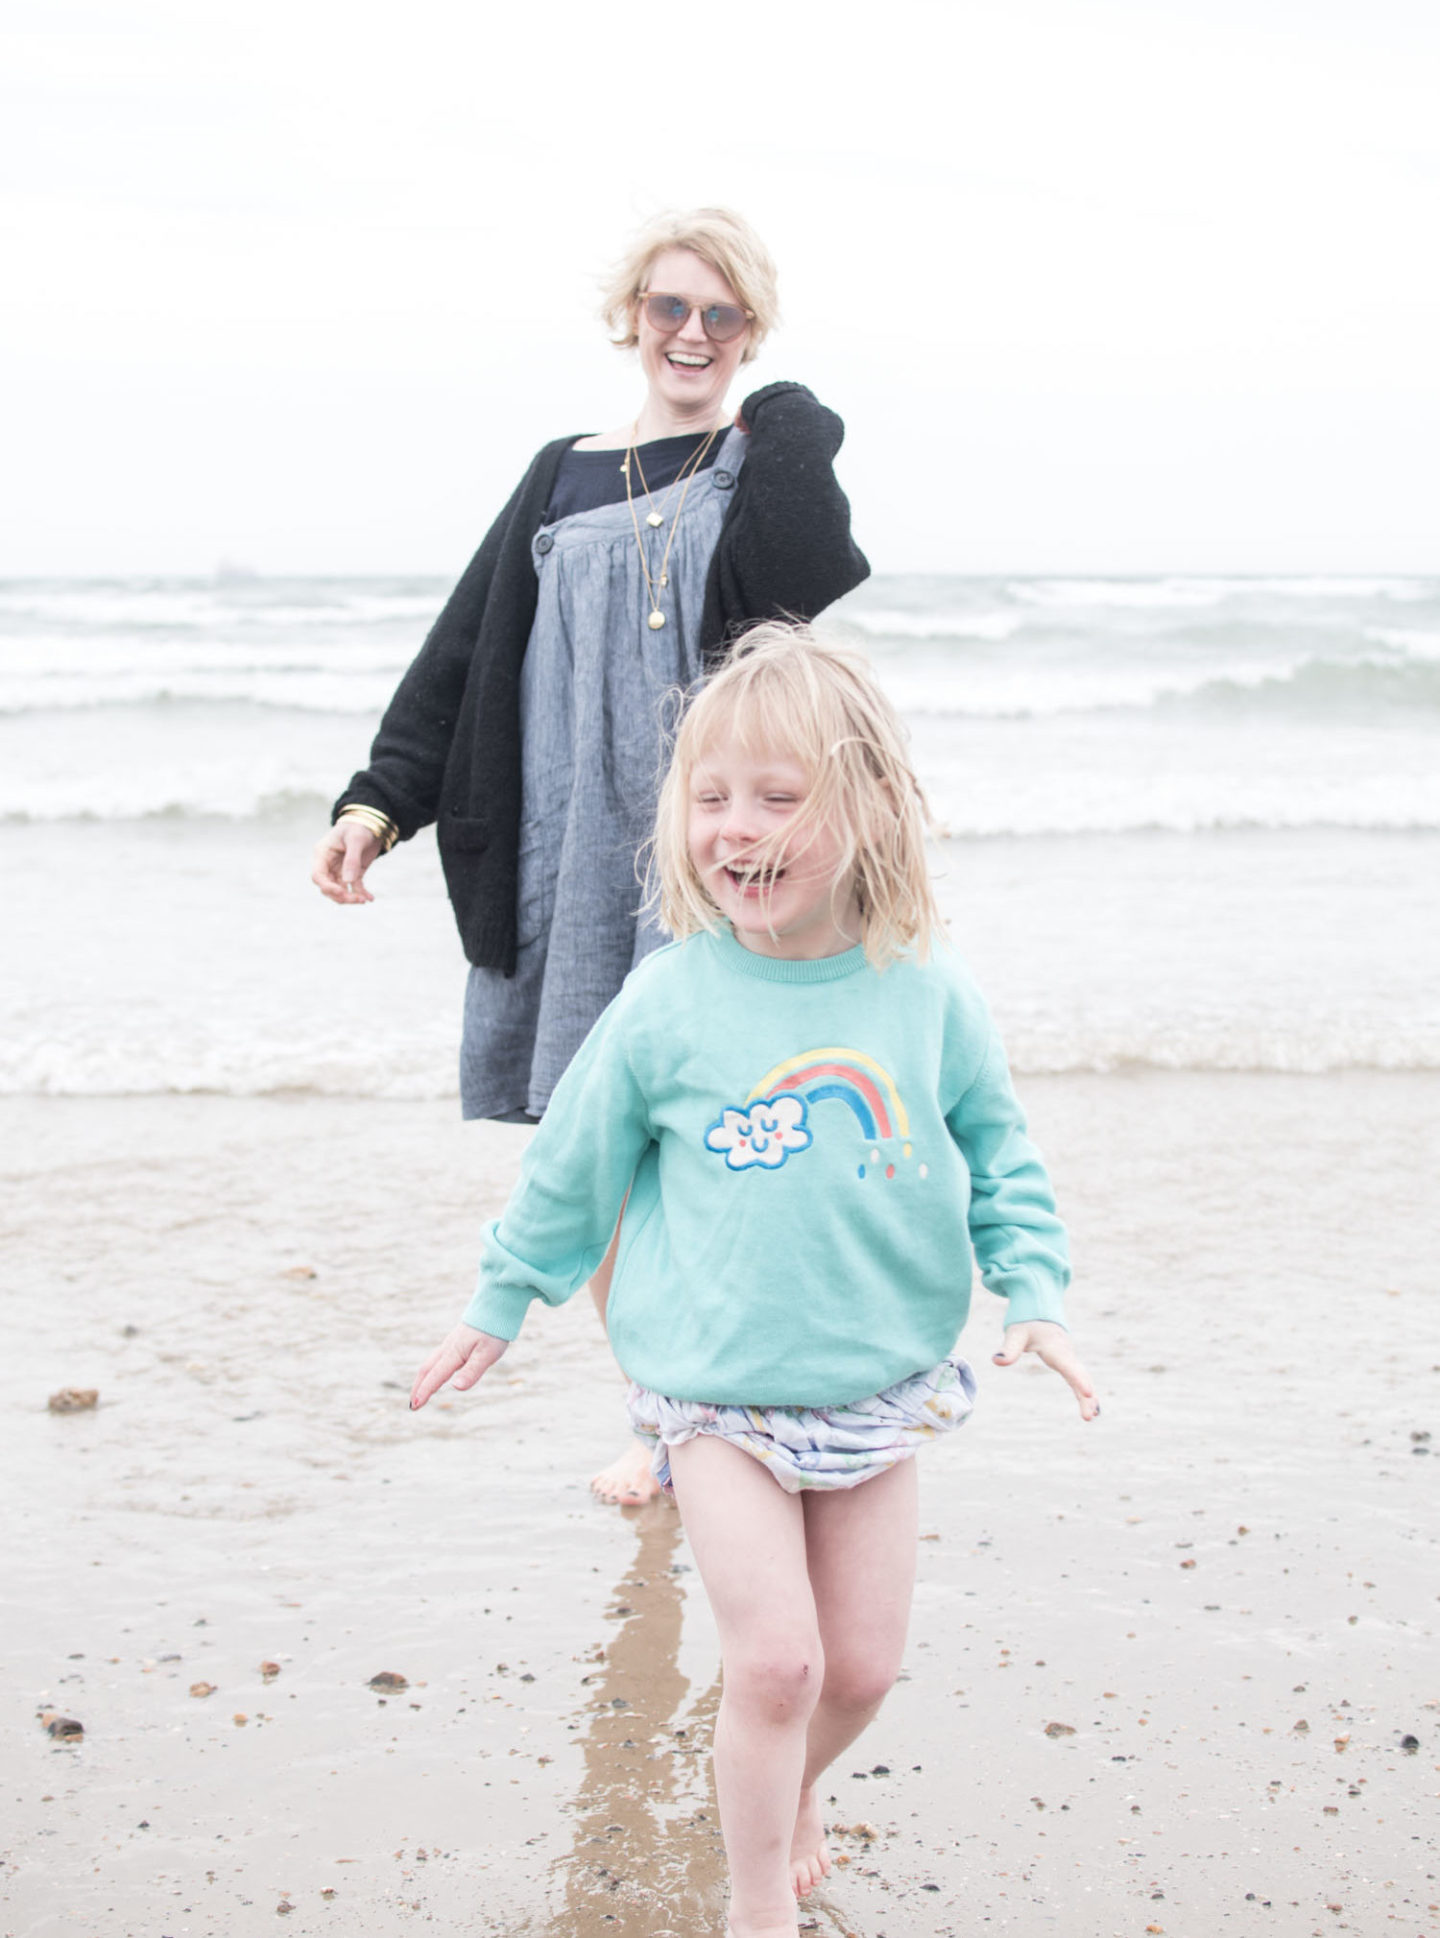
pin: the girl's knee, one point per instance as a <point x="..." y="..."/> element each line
<point x="859" y="1682"/>
<point x="775" y="1679"/>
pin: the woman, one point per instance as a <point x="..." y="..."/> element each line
<point x="530" y="726"/>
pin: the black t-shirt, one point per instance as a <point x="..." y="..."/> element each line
<point x="588" y="479"/>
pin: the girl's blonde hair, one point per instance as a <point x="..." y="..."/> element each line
<point x="786" y="690"/>
<point x="718" y="236"/>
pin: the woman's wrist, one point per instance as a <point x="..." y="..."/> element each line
<point x="380" y="825"/>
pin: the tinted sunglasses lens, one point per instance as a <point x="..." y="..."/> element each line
<point x="722" y="322"/>
<point x="666" y="313"/>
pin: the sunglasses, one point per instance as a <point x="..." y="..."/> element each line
<point x="721" y="322"/>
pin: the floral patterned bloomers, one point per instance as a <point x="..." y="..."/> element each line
<point x="805" y="1446"/>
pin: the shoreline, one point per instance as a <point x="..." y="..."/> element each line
<point x="249" y="1283"/>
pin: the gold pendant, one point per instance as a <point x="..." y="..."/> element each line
<point x="657" y="620"/>
<point x="654" y="520"/>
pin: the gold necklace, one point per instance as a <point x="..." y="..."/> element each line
<point x="685" y="477"/>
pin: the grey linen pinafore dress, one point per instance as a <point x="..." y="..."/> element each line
<point x="593" y="700"/>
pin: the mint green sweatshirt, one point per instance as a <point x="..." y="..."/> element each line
<point x="816" y="1153"/>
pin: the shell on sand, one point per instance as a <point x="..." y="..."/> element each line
<point x="73" y="1399"/>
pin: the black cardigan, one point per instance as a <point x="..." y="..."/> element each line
<point x="448" y="749"/>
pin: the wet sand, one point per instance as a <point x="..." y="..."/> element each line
<point x="1162" y="1669"/>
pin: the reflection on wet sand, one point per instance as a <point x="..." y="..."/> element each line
<point x="646" y="1857"/>
<point x="646" y="1860"/>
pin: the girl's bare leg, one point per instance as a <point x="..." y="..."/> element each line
<point x="627" y="1481"/>
<point x="748" y="1538"/>
<point x="860" y="1546"/>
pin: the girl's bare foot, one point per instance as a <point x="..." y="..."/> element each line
<point x="628" y="1481"/>
<point x="809" y="1855"/>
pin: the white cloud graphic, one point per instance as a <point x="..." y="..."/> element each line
<point x="765" y="1134"/>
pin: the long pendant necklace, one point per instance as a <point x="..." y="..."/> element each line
<point x="684" y="478"/>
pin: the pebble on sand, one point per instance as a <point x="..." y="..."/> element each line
<point x="74" y="1399"/>
<point x="1059" y="1729"/>
<point x="65" y="1729"/>
<point x="202" y="1689"/>
<point x="387" y="1681"/>
<point x="269" y="1671"/>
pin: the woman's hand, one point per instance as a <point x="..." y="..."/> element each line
<point x="1051" y="1343"/>
<point x="463" y="1357"/>
<point x="341" y="859"/>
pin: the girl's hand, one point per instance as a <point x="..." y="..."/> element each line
<point x="464" y="1357"/>
<point x="341" y="858"/>
<point x="1051" y="1343"/>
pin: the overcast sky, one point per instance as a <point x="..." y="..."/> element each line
<point x="1096" y="287"/>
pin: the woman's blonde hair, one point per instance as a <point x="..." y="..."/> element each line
<point x="718" y="236"/>
<point x="786" y="690"/>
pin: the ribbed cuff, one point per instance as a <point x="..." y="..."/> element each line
<point x="498" y="1309"/>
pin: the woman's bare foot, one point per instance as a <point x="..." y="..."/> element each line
<point x="809" y="1855"/>
<point x="628" y="1481"/>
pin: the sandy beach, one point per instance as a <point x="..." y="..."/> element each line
<point x="1171" y="1673"/>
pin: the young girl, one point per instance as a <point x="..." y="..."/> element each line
<point x="806" y="1100"/>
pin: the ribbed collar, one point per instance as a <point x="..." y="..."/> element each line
<point x="745" y="962"/>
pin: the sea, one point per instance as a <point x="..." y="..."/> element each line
<point x="1182" y="823"/>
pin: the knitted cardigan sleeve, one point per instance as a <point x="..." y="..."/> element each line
<point x="411" y="749"/>
<point x="785" y="548"/>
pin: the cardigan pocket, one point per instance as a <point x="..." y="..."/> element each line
<point x="468" y="861"/>
<point x="467" y="834"/>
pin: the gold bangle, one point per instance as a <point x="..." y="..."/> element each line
<point x="379" y="824"/>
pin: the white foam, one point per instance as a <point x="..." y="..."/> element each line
<point x="1407" y="640"/>
<point x="1033" y="691"/>
<point x="885" y="622"/>
<point x="1203" y="592"/>
<point x="180" y="1062"/>
<point x="309" y="691"/>
<point x="1088" y="593"/>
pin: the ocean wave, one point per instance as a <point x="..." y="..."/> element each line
<point x="1085" y="593"/>
<point x="1201" y="592"/>
<point x="1392" y="673"/>
<point x="1230" y="1047"/>
<point x="302" y="690"/>
<point x="398" y="1070"/>
<point x="1317" y="818"/>
<point x="1400" y="669"/>
<point x="106" y="608"/>
<point x="885" y="622"/>
<point x="411" y="1069"/>
<point x="1406" y="639"/>
<point x="163" y="798"/>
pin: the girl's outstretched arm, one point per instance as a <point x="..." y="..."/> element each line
<point x="1051" y="1343"/>
<point x="463" y="1357"/>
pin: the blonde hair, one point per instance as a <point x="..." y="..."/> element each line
<point x="786" y="690"/>
<point x="718" y="236"/>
